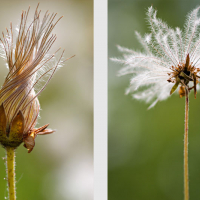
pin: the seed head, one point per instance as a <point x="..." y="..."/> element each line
<point x="28" y="64"/>
<point x="170" y="59"/>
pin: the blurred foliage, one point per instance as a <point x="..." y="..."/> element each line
<point x="61" y="164"/>
<point x="145" y="147"/>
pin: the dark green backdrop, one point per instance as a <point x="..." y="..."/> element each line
<point x="146" y="146"/>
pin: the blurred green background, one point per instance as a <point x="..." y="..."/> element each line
<point x="61" y="164"/>
<point x="146" y="146"/>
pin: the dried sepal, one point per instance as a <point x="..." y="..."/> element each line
<point x="11" y="136"/>
<point x="46" y="131"/>
<point x="29" y="139"/>
<point x="187" y="61"/>
<point x="181" y="91"/>
<point x="17" y="129"/>
<point x="3" y="123"/>
<point x="43" y="130"/>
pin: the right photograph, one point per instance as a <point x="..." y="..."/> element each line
<point x="153" y="100"/>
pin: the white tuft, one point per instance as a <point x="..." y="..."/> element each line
<point x="163" y="48"/>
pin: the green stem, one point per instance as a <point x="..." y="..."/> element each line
<point x="186" y="174"/>
<point x="11" y="172"/>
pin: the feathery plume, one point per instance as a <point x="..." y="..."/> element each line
<point x="170" y="60"/>
<point x="28" y="64"/>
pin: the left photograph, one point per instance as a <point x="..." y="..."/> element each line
<point x="46" y="79"/>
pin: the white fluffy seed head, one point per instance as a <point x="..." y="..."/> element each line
<point x="163" y="48"/>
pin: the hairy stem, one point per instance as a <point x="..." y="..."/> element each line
<point x="186" y="174"/>
<point x="11" y="172"/>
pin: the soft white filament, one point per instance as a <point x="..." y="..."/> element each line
<point x="163" y="48"/>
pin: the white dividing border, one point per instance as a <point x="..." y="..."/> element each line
<point x="100" y="100"/>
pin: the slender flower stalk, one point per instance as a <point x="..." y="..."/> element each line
<point x="169" y="63"/>
<point x="30" y="69"/>
<point x="11" y="172"/>
<point x="186" y="173"/>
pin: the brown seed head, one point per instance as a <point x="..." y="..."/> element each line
<point x="27" y="62"/>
